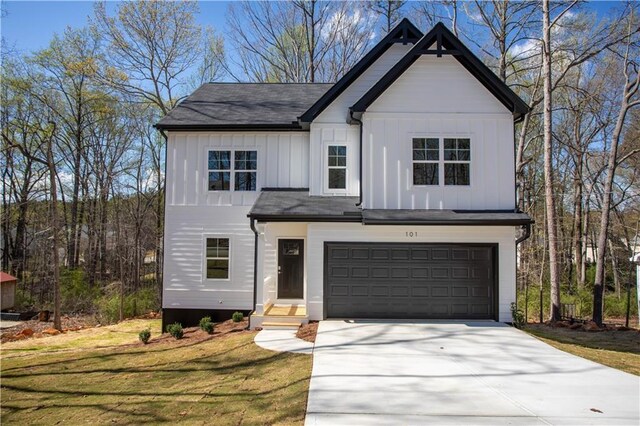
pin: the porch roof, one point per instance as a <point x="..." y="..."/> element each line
<point x="296" y="205"/>
<point x="445" y="217"/>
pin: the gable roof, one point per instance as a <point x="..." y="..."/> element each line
<point x="446" y="44"/>
<point x="250" y="106"/>
<point x="405" y="32"/>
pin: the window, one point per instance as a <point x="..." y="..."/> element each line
<point x="426" y="157"/>
<point x="245" y="166"/>
<point x="454" y="163"/>
<point x="239" y="174"/>
<point x="217" y="258"/>
<point x="457" y="161"/>
<point x="219" y="174"/>
<point x="337" y="167"/>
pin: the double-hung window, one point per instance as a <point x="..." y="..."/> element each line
<point x="337" y="167"/>
<point x="239" y="174"/>
<point x="426" y="158"/>
<point x="457" y="161"/>
<point x="438" y="160"/>
<point x="217" y="258"/>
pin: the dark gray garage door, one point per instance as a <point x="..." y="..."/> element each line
<point x="431" y="281"/>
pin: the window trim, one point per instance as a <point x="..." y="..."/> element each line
<point x="205" y="258"/>
<point x="425" y="161"/>
<point x="441" y="162"/>
<point x="327" y="167"/>
<point x="232" y="169"/>
<point x="445" y="161"/>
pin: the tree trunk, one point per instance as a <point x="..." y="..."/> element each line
<point x="552" y="235"/>
<point x="614" y="269"/>
<point x="598" y="288"/>
<point x="57" y="318"/>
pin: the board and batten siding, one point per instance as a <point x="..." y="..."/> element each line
<point x="331" y="128"/>
<point x="283" y="161"/>
<point x="193" y="213"/>
<point x="437" y="97"/>
<point x="319" y="233"/>
<point x="322" y="136"/>
<point x="338" y="110"/>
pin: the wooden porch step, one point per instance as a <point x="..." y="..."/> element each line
<point x="272" y="325"/>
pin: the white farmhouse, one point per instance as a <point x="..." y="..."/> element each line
<point x="389" y="194"/>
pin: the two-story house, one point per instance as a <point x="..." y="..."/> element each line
<point x="389" y="194"/>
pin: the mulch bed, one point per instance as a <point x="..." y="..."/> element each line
<point x="194" y="335"/>
<point x="590" y="326"/>
<point x="308" y="331"/>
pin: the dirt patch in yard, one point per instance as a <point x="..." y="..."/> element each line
<point x="308" y="332"/>
<point x="35" y="328"/>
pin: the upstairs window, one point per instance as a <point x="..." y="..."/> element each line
<point x="457" y="161"/>
<point x="246" y="164"/>
<point x="337" y="167"/>
<point x="239" y="174"/>
<point x="217" y="258"/>
<point x="219" y="170"/>
<point x="445" y="160"/>
<point x="426" y="158"/>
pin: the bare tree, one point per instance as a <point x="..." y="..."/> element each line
<point x="152" y="46"/>
<point x="388" y="10"/>
<point x="300" y="41"/>
<point x="628" y="100"/>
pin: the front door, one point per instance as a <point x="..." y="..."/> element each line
<point x="290" y="269"/>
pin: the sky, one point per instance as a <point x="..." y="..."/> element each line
<point x="30" y="25"/>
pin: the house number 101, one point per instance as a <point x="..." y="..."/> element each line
<point x="411" y="234"/>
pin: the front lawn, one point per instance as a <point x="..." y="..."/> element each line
<point x="199" y="379"/>
<point x="617" y="349"/>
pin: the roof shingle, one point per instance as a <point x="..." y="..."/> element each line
<point x="244" y="105"/>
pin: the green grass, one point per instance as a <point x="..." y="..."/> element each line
<point x="617" y="349"/>
<point x="226" y="380"/>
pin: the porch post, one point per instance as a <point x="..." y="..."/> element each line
<point x="260" y="270"/>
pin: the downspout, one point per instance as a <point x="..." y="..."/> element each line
<point x="526" y="235"/>
<point x="359" y="203"/>
<point x="255" y="267"/>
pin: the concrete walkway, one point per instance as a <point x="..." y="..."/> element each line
<point x="486" y="373"/>
<point x="283" y="341"/>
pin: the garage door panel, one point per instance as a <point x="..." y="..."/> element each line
<point x="396" y="280"/>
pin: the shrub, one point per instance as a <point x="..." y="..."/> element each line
<point x="137" y="303"/>
<point x="75" y="292"/>
<point x="517" y="316"/>
<point x="144" y="336"/>
<point x="175" y="330"/>
<point x="206" y="325"/>
<point x="237" y="316"/>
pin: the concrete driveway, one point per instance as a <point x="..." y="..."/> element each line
<point x="442" y="373"/>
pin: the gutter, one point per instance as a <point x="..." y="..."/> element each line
<point x="252" y="224"/>
<point x="352" y="119"/>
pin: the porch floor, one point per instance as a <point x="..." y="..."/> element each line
<point x="286" y="311"/>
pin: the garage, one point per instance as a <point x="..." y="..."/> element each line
<point x="410" y="280"/>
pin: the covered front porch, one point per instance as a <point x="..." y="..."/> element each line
<point x="280" y="220"/>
